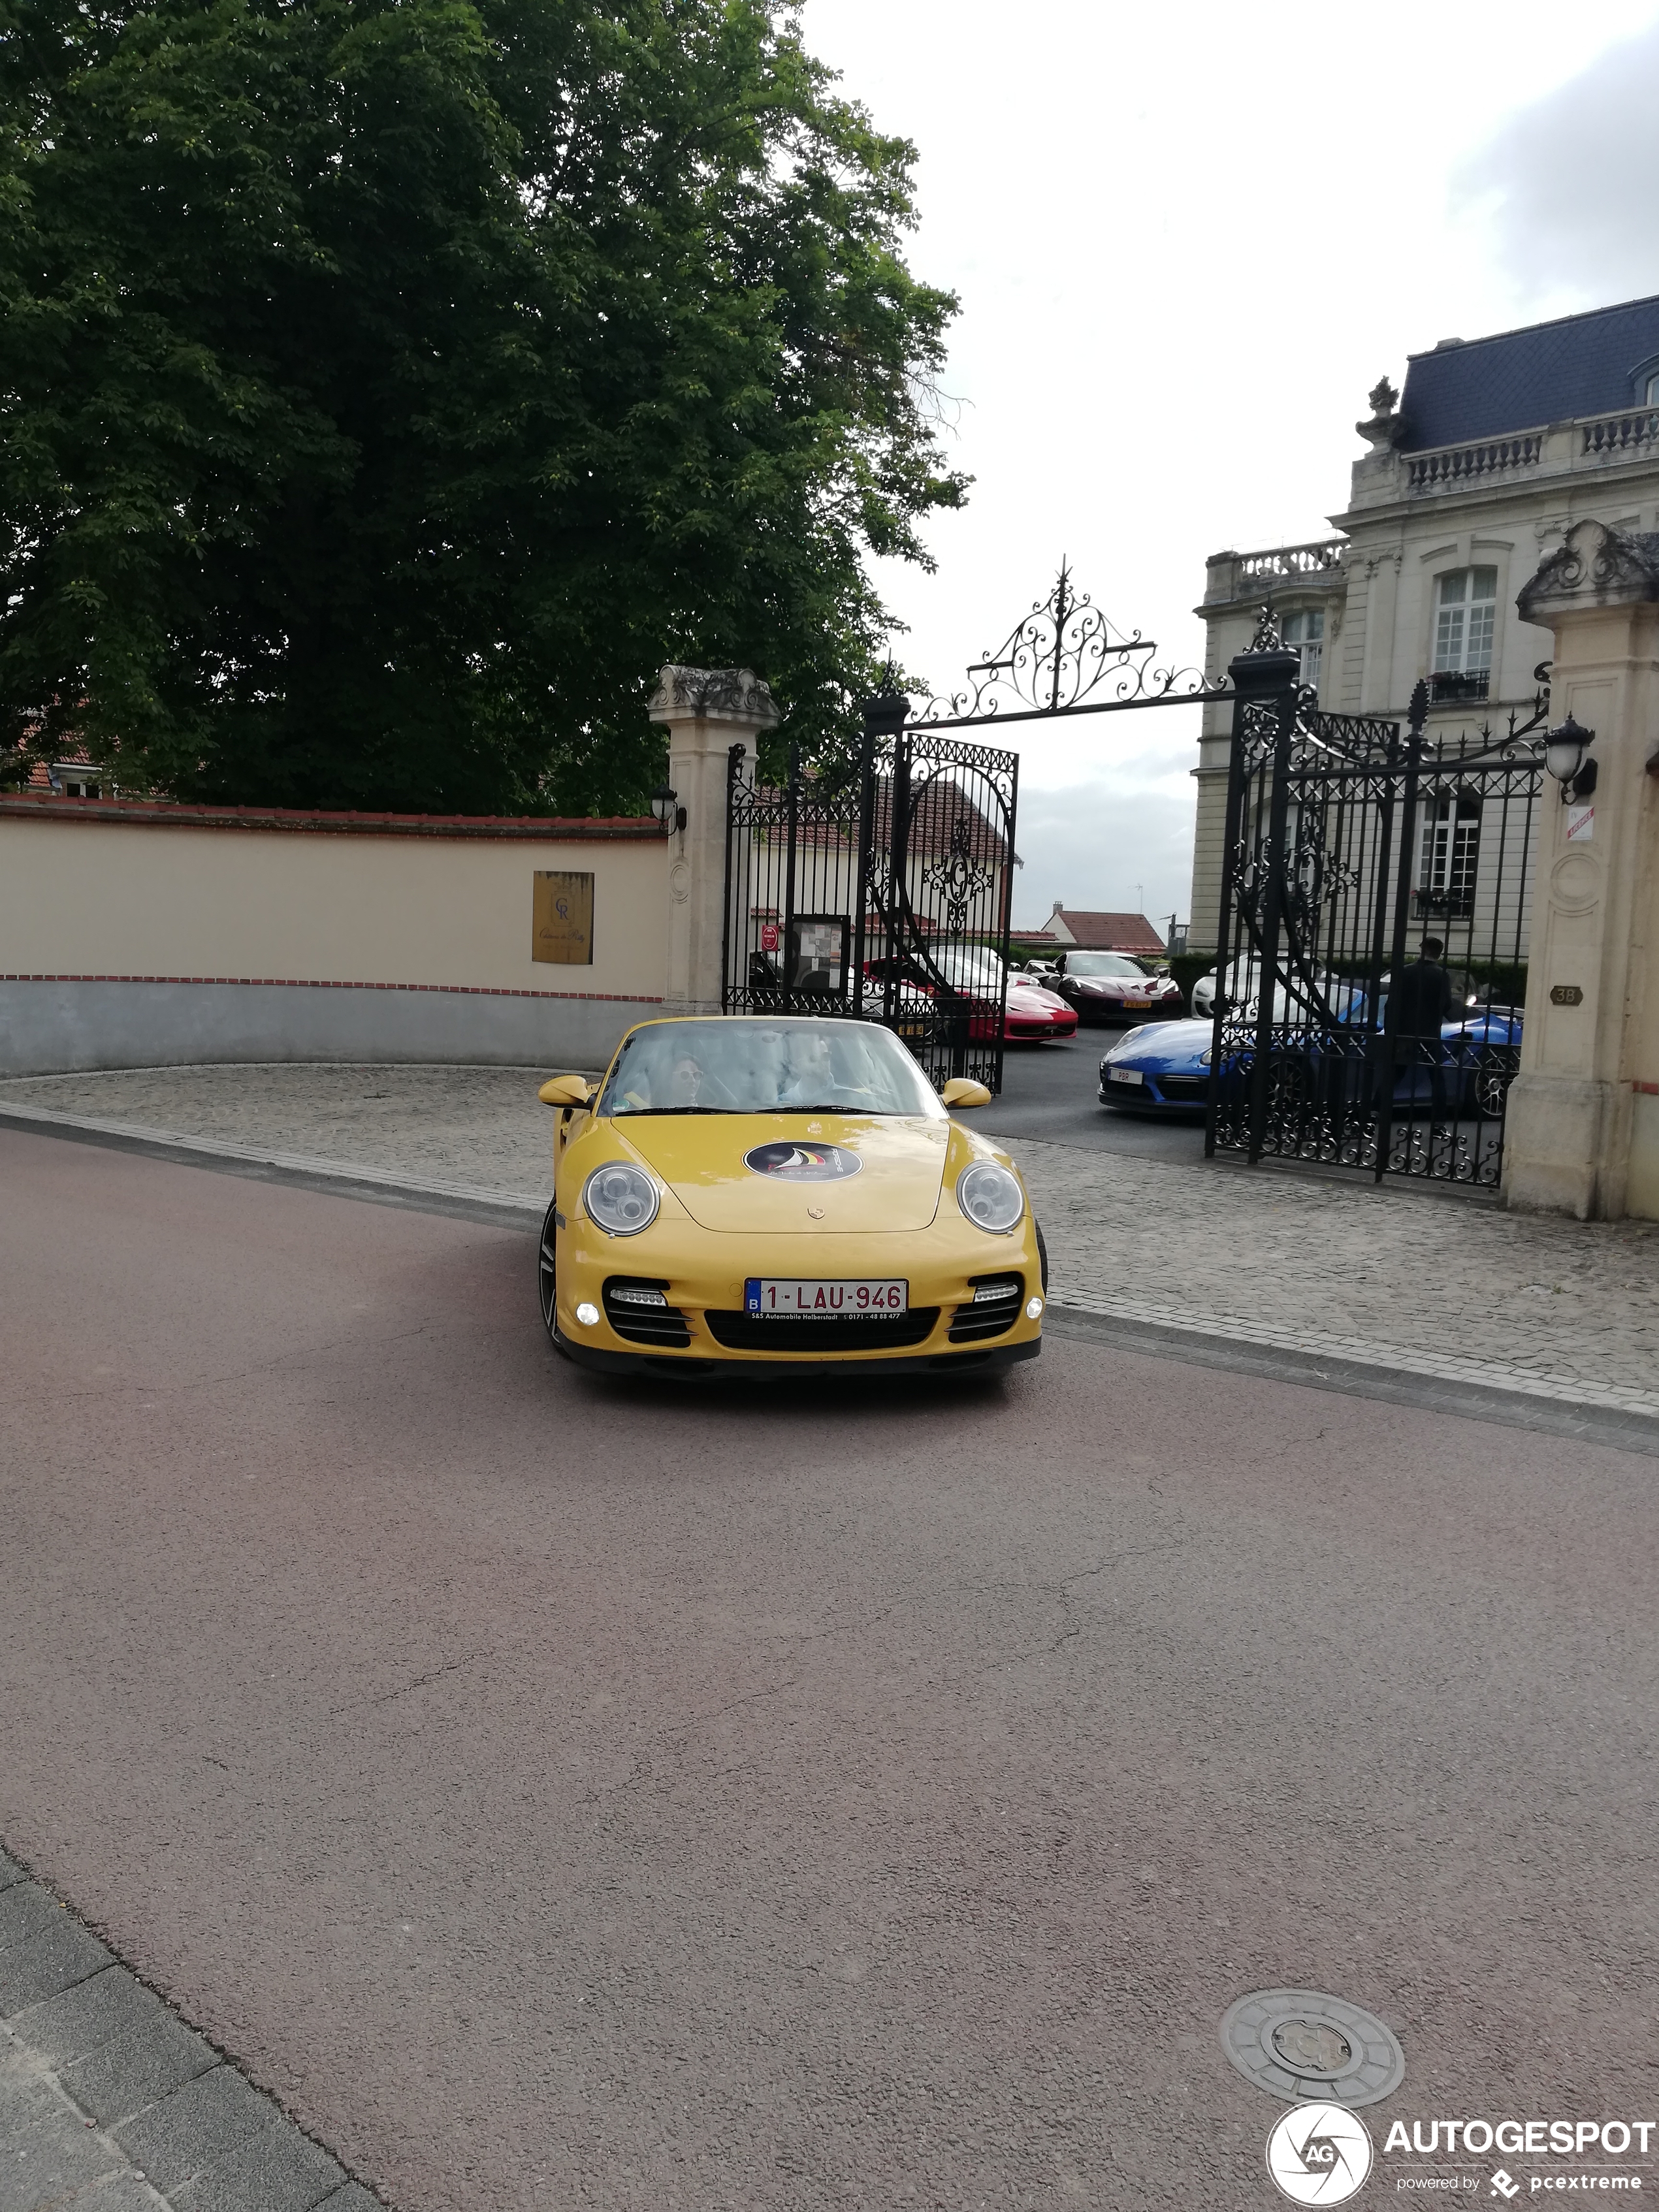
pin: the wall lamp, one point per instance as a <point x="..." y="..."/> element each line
<point x="1564" y="756"/>
<point x="664" y="805"/>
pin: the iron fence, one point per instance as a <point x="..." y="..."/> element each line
<point x="1354" y="850"/>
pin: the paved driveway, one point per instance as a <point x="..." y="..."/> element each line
<point x="566" y="1794"/>
<point x="1430" y="1283"/>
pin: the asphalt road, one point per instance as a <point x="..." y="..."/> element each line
<point x="1051" y="1092"/>
<point x="562" y="1795"/>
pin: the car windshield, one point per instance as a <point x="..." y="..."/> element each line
<point x="968" y="963"/>
<point x="1103" y="964"/>
<point x="761" y="1067"/>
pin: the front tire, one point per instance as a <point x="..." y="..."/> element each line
<point x="547" y="1274"/>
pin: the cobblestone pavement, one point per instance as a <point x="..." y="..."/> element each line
<point x="108" y="2102"/>
<point x="1432" y="1283"/>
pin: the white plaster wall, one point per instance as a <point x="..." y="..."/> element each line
<point x="108" y="898"/>
<point x="124" y="945"/>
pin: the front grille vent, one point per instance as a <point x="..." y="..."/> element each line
<point x="1183" y="1086"/>
<point x="638" y="1308"/>
<point x="746" y="1332"/>
<point x="993" y="1310"/>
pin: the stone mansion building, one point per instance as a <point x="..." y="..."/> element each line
<point x="1496" y="447"/>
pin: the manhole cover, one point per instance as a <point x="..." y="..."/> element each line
<point x="1301" y="2042"/>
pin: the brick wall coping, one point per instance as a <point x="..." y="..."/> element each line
<point x="149" y="814"/>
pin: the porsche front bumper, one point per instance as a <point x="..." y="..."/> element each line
<point x="700" y="1326"/>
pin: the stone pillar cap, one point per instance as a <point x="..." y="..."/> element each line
<point x="713" y="695"/>
<point x="1597" y="566"/>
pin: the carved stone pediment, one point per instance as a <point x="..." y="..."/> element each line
<point x="1596" y="565"/>
<point x="715" y="695"/>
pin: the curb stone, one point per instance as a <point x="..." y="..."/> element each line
<point x="110" y="2102"/>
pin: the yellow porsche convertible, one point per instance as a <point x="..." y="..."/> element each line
<point x="777" y="1195"/>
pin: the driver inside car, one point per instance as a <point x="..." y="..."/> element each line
<point x="810" y="1076"/>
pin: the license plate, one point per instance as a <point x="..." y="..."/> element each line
<point x="1137" y="1006"/>
<point x="765" y="1295"/>
<point x="1124" y="1075"/>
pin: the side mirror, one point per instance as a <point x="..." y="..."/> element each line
<point x="565" y="1091"/>
<point x="961" y="1091"/>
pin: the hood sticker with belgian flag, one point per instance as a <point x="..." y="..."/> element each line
<point x="802" y="1162"/>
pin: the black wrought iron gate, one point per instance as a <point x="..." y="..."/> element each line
<point x="885" y="895"/>
<point x="1350" y="847"/>
<point x="885" y="891"/>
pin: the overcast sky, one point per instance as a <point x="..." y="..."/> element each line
<point x="1188" y="241"/>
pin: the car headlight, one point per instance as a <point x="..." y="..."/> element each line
<point x="1204" y="1057"/>
<point x="990" y="1197"/>
<point x="620" y="1199"/>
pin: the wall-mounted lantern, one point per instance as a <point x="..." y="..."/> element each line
<point x="1564" y="756"/>
<point x="664" y="805"/>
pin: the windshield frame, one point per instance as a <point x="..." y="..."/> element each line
<point x="653" y="1056"/>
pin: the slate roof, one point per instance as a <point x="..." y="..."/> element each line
<point x="1521" y="380"/>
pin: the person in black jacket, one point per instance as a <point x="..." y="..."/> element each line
<point x="1420" y="1002"/>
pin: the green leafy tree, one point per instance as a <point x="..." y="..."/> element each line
<point x="387" y="387"/>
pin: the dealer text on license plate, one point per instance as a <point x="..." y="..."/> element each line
<point x="764" y="1295"/>
<point x="1125" y="1075"/>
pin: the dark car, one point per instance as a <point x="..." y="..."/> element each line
<point x="1110" y="987"/>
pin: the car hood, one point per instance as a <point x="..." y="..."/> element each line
<point x="700" y="1157"/>
<point x="1171" y="1046"/>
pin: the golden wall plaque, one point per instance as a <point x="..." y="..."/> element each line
<point x="562" y="927"/>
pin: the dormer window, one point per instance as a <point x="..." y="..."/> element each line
<point x="1305" y="631"/>
<point x="1650" y="390"/>
<point x="1465" y="615"/>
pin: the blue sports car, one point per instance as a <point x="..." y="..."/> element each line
<point x="1165" y="1068"/>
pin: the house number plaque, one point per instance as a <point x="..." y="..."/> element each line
<point x="1567" y="994"/>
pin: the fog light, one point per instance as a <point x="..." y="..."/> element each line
<point x="1033" y="1309"/>
<point x="587" y="1314"/>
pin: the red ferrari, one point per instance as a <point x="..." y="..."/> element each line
<point x="1031" y="1014"/>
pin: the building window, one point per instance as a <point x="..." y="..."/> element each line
<point x="1305" y="631"/>
<point x="1451" y="853"/>
<point x="1466" y="614"/>
<point x="1651" y="393"/>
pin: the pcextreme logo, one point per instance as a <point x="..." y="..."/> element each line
<point x="1319" y="2155"/>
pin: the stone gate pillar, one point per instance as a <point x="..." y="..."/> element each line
<point x="1583" y="1134"/>
<point x="706" y="711"/>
